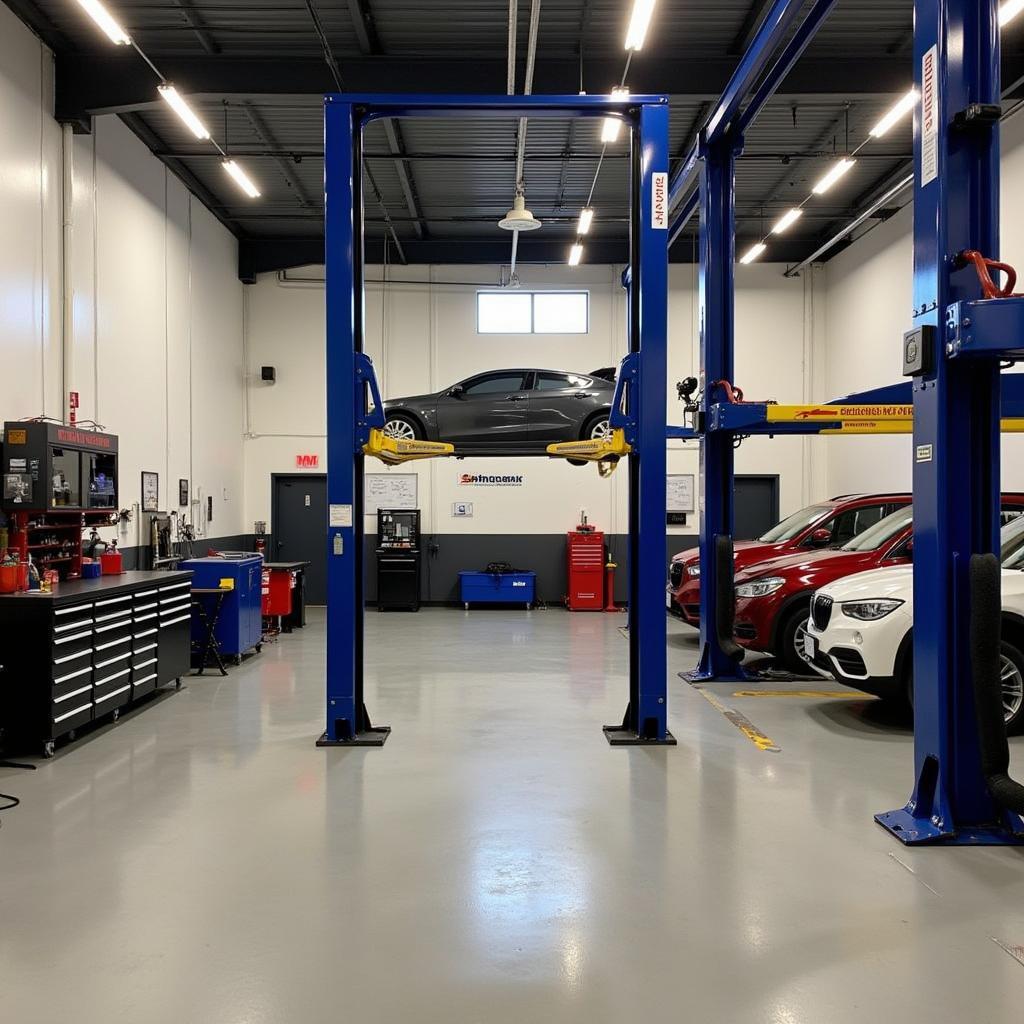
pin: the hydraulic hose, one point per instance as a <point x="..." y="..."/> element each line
<point x="985" y="628"/>
<point x="725" y="607"/>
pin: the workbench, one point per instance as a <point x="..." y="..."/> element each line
<point x="88" y="649"/>
<point x="296" y="616"/>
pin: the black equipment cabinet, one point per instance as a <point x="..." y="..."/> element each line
<point x="86" y="650"/>
<point x="398" y="560"/>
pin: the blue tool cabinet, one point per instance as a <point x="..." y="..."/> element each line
<point x="240" y="623"/>
<point x="497" y="588"/>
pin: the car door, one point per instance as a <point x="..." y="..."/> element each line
<point x="849" y="523"/>
<point x="560" y="403"/>
<point x="489" y="409"/>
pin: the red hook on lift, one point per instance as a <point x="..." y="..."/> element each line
<point x="733" y="395"/>
<point x="982" y="264"/>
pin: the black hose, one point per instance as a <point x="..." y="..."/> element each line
<point x="725" y="607"/>
<point x="985" y="628"/>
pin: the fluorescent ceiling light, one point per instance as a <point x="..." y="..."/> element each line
<point x="175" y="101"/>
<point x="837" y="171"/>
<point x="638" y="23"/>
<point x="611" y="126"/>
<point x="753" y="252"/>
<point x="575" y="255"/>
<point x="1009" y="11"/>
<point x="586" y="219"/>
<point x="903" y="106"/>
<point x="103" y="18"/>
<point x="787" y="220"/>
<point x="242" y="179"/>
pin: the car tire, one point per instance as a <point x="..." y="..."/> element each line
<point x="403" y="428"/>
<point x="596" y="426"/>
<point x="791" y="633"/>
<point x="1012" y="672"/>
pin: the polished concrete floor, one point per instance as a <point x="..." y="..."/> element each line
<point x="202" y="862"/>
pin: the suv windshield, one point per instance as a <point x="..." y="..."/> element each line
<point x="884" y="530"/>
<point x="1012" y="543"/>
<point x="794" y="524"/>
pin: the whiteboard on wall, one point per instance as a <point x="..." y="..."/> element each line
<point x="679" y="493"/>
<point x="389" y="490"/>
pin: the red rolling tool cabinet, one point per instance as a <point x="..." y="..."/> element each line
<point x="586" y="571"/>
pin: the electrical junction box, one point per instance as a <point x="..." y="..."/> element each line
<point x="919" y="351"/>
<point x="462" y="508"/>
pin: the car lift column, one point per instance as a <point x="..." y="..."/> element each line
<point x="956" y="417"/>
<point x="347" y="721"/>
<point x="646" y="718"/>
<point x="716" y="299"/>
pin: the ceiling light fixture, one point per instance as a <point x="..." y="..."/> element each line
<point x="1009" y="11"/>
<point x="753" y="252"/>
<point x="176" y="102"/>
<point x="787" y="220"/>
<point x="638" y="23"/>
<point x="586" y="219"/>
<point x="106" y="22"/>
<point x="241" y="179"/>
<point x="611" y="126"/>
<point x="575" y="255"/>
<point x="836" y="172"/>
<point x="902" y="107"/>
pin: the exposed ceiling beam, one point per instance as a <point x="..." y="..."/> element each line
<point x="393" y="133"/>
<point x="751" y="22"/>
<point x="114" y="83"/>
<point x="283" y="159"/>
<point x="364" y="26"/>
<point x="39" y="23"/>
<point x="194" y="20"/>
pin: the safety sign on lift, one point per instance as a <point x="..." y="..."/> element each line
<point x="929" y="116"/>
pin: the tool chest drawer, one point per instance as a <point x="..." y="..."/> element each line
<point x="86" y="650"/>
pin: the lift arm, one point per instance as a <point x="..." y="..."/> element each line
<point x="607" y="451"/>
<point x="370" y="436"/>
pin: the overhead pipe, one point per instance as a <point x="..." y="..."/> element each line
<point x="531" y="59"/>
<point x="513" y="26"/>
<point x="767" y="39"/>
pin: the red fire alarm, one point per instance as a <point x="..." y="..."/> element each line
<point x="307" y="461"/>
<point x="72" y="406"/>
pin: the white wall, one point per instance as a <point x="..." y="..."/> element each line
<point x="157" y="323"/>
<point x="868" y="304"/>
<point x="429" y="340"/>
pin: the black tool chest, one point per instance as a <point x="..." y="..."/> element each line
<point x="86" y="650"/>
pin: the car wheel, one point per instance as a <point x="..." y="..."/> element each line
<point x="1011" y="676"/>
<point x="598" y="428"/>
<point x="790" y="648"/>
<point x="402" y="428"/>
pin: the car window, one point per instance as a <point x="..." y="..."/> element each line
<point x="794" y="524"/>
<point x="854" y="521"/>
<point x="1011" y="539"/>
<point x="1008" y="513"/>
<point x="494" y="383"/>
<point x="559" y="381"/>
<point x="882" y="532"/>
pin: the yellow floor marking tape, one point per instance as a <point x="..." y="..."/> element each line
<point x="843" y="694"/>
<point x="741" y="722"/>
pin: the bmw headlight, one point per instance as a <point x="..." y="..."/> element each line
<point x="869" y="611"/>
<point x="693" y="570"/>
<point x="760" y="588"/>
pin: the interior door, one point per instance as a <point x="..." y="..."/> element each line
<point x="489" y="409"/>
<point x="756" y="505"/>
<point x="300" y="529"/>
<point x="560" y="404"/>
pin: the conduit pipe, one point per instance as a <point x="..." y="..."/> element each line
<point x="531" y="59"/>
<point x="67" y="320"/>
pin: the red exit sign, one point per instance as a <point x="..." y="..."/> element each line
<point x="307" y="461"/>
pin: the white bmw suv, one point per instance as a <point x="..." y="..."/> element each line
<point x="860" y="629"/>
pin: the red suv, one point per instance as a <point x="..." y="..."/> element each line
<point x="826" y="524"/>
<point x="773" y="597"/>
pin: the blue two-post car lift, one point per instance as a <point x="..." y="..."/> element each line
<point x="355" y="416"/>
<point x="962" y="792"/>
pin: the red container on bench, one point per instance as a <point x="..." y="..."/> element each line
<point x="9" y="578"/>
<point x="112" y="563"/>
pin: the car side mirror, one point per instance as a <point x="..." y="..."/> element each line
<point x="908" y="548"/>
<point x="821" y="537"/>
<point x="456" y="390"/>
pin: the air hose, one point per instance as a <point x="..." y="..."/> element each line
<point x="725" y="607"/>
<point x="986" y="615"/>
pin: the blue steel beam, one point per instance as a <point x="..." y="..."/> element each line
<point x="956" y="424"/>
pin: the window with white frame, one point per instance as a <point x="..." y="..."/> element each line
<point x="517" y="312"/>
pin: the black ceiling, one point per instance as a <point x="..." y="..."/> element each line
<point x="256" y="71"/>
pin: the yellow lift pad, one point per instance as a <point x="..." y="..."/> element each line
<point x="606" y="452"/>
<point x="394" y="452"/>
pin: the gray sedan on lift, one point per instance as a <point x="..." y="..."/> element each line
<point x="505" y="412"/>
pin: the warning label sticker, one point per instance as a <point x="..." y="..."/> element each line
<point x="929" y="116"/>
<point x="659" y="200"/>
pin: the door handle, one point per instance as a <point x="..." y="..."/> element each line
<point x="582" y="394"/>
<point x="516" y="398"/>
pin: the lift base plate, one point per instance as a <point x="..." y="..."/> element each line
<point x="620" y="736"/>
<point x="912" y="831"/>
<point x="374" y="737"/>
